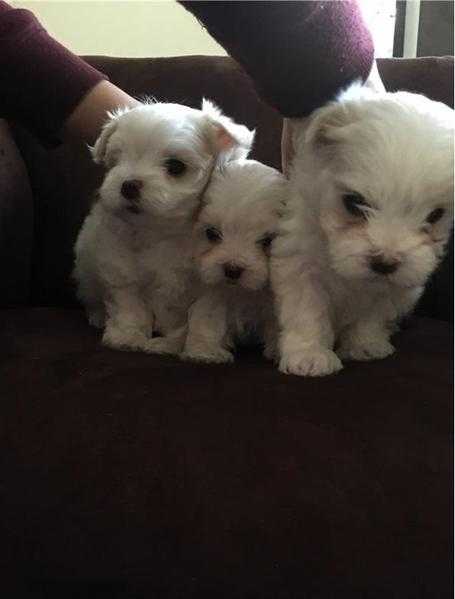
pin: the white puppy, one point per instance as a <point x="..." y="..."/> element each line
<point x="233" y="236"/>
<point x="133" y="254"/>
<point x="369" y="214"/>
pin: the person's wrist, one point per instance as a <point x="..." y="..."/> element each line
<point x="87" y="119"/>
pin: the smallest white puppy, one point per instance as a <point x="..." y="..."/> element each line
<point x="233" y="237"/>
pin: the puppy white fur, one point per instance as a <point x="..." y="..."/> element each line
<point x="369" y="215"/>
<point x="133" y="254"/>
<point x="233" y="236"/>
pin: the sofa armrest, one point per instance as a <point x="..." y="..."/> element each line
<point x="16" y="223"/>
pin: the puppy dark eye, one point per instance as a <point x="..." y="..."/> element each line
<point x="435" y="215"/>
<point x="175" y="167"/>
<point x="266" y="241"/>
<point x="213" y="235"/>
<point x="354" y="204"/>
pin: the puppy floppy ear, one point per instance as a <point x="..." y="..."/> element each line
<point x="99" y="151"/>
<point x="327" y="126"/>
<point x="229" y="140"/>
<point x="330" y="124"/>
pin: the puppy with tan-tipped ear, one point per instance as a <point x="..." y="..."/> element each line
<point x="370" y="212"/>
<point x="133" y="254"/>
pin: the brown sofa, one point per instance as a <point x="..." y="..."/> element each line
<point x="126" y="475"/>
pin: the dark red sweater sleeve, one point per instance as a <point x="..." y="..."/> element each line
<point x="299" y="54"/>
<point x="41" y="82"/>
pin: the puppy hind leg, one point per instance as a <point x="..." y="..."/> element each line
<point x="271" y="340"/>
<point x="365" y="340"/>
<point x="171" y="344"/>
<point x="170" y="323"/>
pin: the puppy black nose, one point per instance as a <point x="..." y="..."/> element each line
<point x="232" y="271"/>
<point x="131" y="189"/>
<point x="382" y="266"/>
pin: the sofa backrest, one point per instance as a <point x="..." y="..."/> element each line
<point x="63" y="179"/>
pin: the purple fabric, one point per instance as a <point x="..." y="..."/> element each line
<point x="299" y="54"/>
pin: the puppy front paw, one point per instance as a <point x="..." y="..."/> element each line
<point x="363" y="350"/>
<point x="310" y="362"/>
<point x="129" y="339"/>
<point x="211" y="355"/>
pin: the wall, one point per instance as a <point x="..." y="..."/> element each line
<point x="123" y="28"/>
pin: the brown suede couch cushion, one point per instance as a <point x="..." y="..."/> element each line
<point x="150" y="476"/>
<point x="125" y="475"/>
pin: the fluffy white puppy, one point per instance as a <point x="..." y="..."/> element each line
<point x="369" y="214"/>
<point x="133" y="253"/>
<point x="233" y="237"/>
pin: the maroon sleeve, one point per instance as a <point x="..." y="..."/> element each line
<point x="40" y="81"/>
<point x="299" y="54"/>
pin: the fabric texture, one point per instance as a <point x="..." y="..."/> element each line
<point x="156" y="478"/>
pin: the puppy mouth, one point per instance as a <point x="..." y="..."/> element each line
<point x="231" y="284"/>
<point x="133" y="208"/>
<point x="131" y="205"/>
<point x="141" y="205"/>
<point x="242" y="285"/>
<point x="398" y="284"/>
<point x="392" y="281"/>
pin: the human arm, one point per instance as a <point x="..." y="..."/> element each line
<point x="298" y="54"/>
<point x="46" y="88"/>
